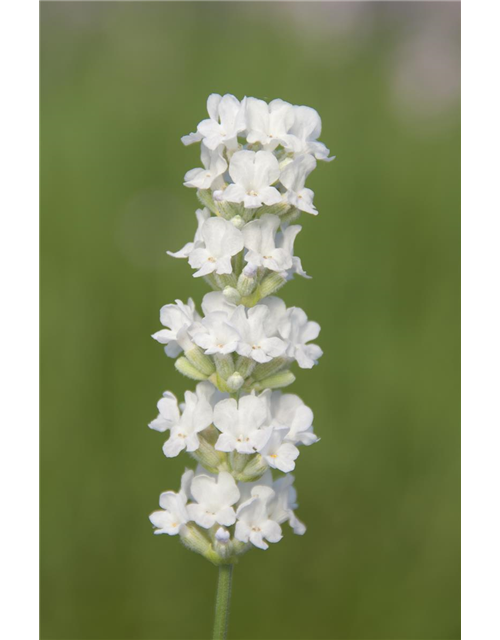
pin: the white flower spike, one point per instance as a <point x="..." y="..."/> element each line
<point x="244" y="432"/>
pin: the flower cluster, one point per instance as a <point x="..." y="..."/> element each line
<point x="240" y="348"/>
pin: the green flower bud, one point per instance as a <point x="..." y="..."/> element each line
<point x="276" y="381"/>
<point x="246" y="285"/>
<point x="235" y="382"/>
<point x="238" y="222"/>
<point x="232" y="295"/>
<point x="185" y="367"/>
<point x="202" y="362"/>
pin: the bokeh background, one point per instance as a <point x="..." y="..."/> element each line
<point x="120" y="84"/>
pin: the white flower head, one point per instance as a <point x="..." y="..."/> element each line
<point x="252" y="173"/>
<point x="268" y="124"/>
<point x="304" y="134"/>
<point x="226" y="122"/>
<point x="242" y="424"/>
<point x="214" y="165"/>
<point x="202" y="215"/>
<point x="220" y="240"/>
<point x="196" y="416"/>
<point x="293" y="177"/>
<point x="254" y="522"/>
<point x="174" y="513"/>
<point x="214" y="499"/>
<point x="256" y="341"/>
<point x="177" y="318"/>
<point x="260" y="240"/>
<point x="298" y="331"/>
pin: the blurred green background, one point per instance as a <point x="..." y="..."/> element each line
<point x="120" y="84"/>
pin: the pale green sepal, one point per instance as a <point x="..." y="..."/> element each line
<point x="205" y="197"/>
<point x="213" y="461"/>
<point x="279" y="209"/>
<point x="238" y="461"/>
<point x="253" y="470"/>
<point x="230" y="209"/>
<point x="195" y="539"/>
<point x="266" y="369"/>
<point x="276" y="381"/>
<point x="291" y="216"/>
<point x="201" y="361"/>
<point x="224" y="281"/>
<point x="245" y="366"/>
<point x="185" y="367"/>
<point x="271" y="284"/>
<point x="218" y="382"/>
<point x="224" y="364"/>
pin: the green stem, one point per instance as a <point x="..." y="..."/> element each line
<point x="222" y="601"/>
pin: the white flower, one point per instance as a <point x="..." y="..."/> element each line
<point x="196" y="416"/>
<point x="168" y="413"/>
<point x="298" y="331"/>
<point x="289" y="411"/>
<point x="174" y="513"/>
<point x="242" y="424"/>
<point x="277" y="312"/>
<point x="285" y="240"/>
<point x="268" y="124"/>
<point x="252" y="174"/>
<point x="256" y="342"/>
<point x="259" y="237"/>
<point x="216" y="335"/>
<point x="220" y="240"/>
<point x="226" y="121"/>
<point x="278" y="454"/>
<point x="202" y="215"/>
<point x="284" y="502"/>
<point x="304" y="134"/>
<point x="293" y="177"/>
<point x="214" y="166"/>
<point x="217" y="301"/>
<point x="177" y="318"/>
<point x="214" y="498"/>
<point x="254" y="522"/>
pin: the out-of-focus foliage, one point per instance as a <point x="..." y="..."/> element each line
<point x="121" y="82"/>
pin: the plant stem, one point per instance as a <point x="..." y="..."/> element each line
<point x="222" y="601"/>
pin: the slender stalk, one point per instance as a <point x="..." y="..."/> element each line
<point x="222" y="601"/>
